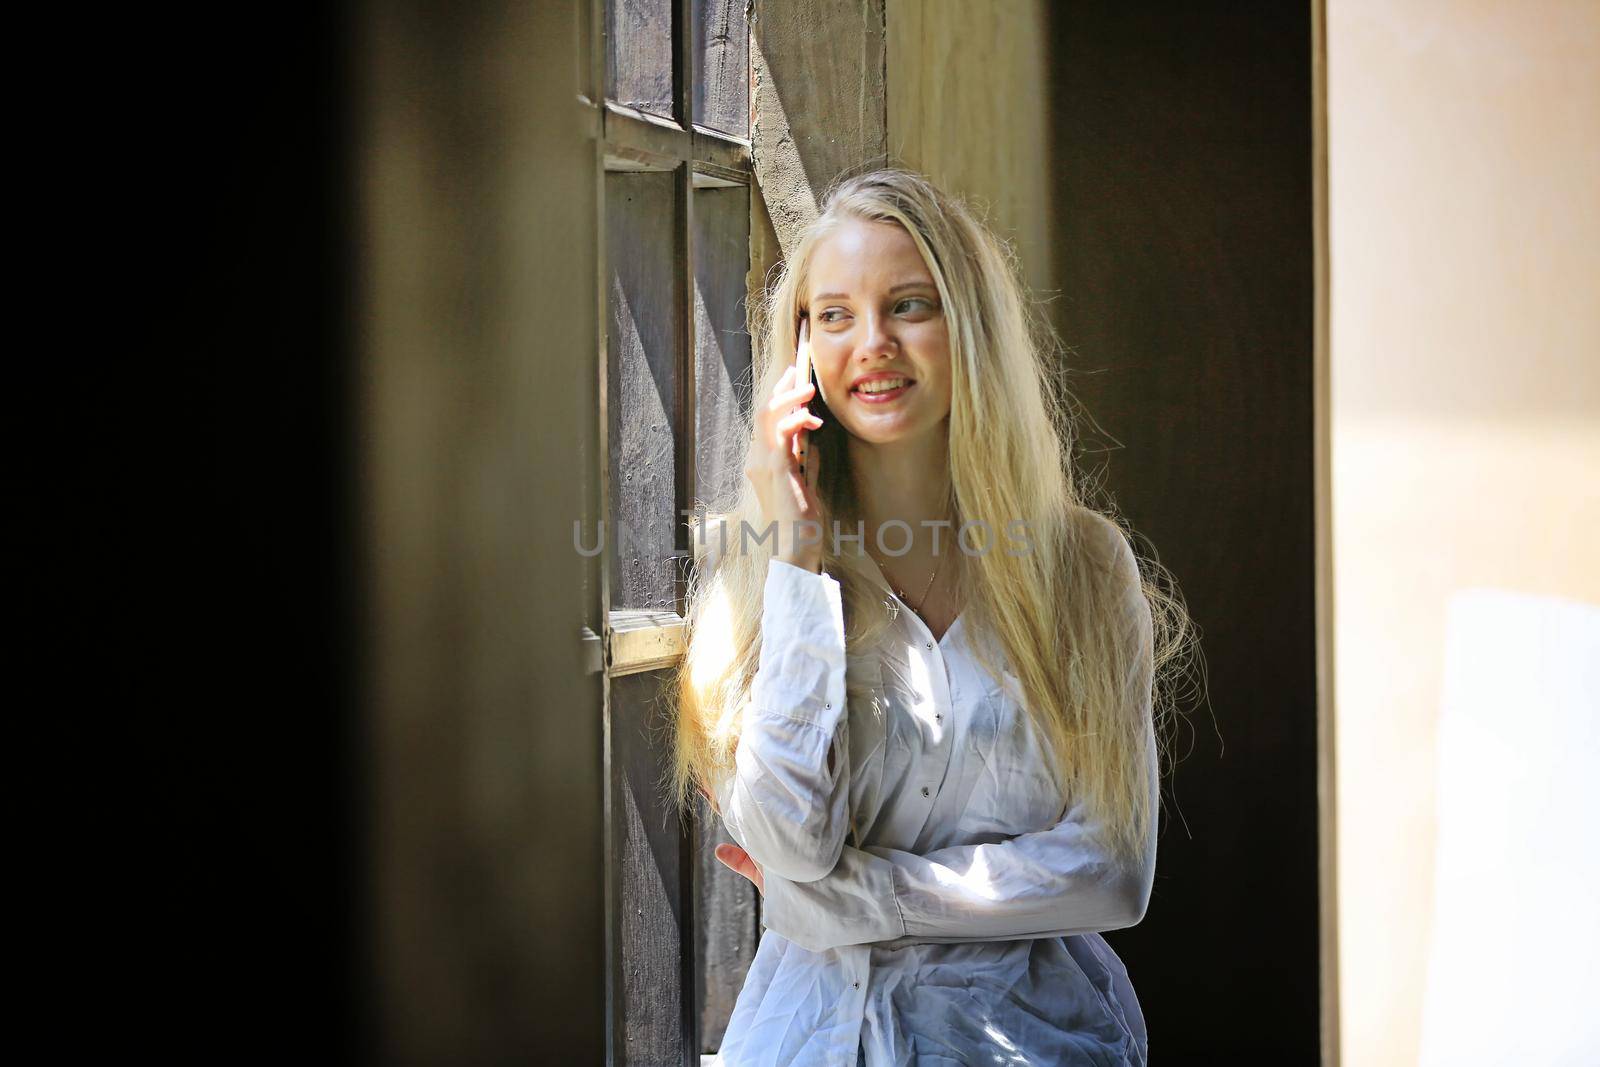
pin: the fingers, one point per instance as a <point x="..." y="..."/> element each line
<point x="789" y="436"/>
<point x="784" y="397"/>
<point x="786" y="417"/>
<point x="797" y="420"/>
<point x="776" y="464"/>
<point x="737" y="860"/>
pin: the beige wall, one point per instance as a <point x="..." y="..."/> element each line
<point x="967" y="106"/>
<point x="1464" y="199"/>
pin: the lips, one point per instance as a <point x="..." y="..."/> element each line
<point x="881" y="388"/>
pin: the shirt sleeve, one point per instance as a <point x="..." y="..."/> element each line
<point x="1060" y="881"/>
<point x="1051" y="883"/>
<point x="784" y="804"/>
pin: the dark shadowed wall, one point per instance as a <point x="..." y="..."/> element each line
<point x="1182" y="174"/>
<point x="400" y="206"/>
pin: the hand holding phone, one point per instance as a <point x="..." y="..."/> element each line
<point x="783" y="475"/>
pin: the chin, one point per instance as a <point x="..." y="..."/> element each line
<point x="885" y="432"/>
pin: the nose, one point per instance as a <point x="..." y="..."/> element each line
<point x="877" y="337"/>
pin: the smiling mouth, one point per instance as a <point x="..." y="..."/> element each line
<point x="882" y="390"/>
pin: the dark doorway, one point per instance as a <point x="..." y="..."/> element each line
<point x="1182" y="163"/>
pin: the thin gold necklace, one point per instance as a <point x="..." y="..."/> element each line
<point x="917" y="607"/>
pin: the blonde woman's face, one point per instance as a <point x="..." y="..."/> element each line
<point x="878" y="335"/>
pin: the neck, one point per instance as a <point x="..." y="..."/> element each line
<point x="903" y="480"/>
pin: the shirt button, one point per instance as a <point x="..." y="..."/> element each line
<point x="938" y="718"/>
<point x="930" y="646"/>
<point x="827" y="707"/>
<point x="924" y="790"/>
<point x="856" y="985"/>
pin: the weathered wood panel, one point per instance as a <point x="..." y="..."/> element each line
<point x="652" y="876"/>
<point x="642" y="386"/>
<point x="722" y="71"/>
<point x="639" y="54"/>
<point x="728" y="924"/>
<point x="722" y="341"/>
<point x="729" y="929"/>
<point x="819" y="86"/>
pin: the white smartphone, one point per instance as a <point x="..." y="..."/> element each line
<point x="802" y="356"/>
<point x="802" y="362"/>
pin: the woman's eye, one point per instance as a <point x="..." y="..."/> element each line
<point x="911" y="303"/>
<point x="831" y="315"/>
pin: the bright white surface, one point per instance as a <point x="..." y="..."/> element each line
<point x="1512" y="976"/>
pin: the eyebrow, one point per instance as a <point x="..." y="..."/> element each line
<point x="896" y="289"/>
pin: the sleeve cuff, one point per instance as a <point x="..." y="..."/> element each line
<point x="855" y="904"/>
<point x="802" y="668"/>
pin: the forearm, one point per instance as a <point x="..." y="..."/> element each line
<point x="787" y="802"/>
<point x="1053" y="883"/>
<point x="956" y="894"/>
<point x="784" y="805"/>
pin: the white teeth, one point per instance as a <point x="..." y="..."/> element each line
<point x="881" y="385"/>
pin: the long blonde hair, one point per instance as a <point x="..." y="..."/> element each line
<point x="1059" y="612"/>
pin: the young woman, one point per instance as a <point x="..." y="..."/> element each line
<point x="920" y="683"/>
